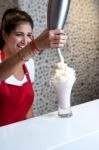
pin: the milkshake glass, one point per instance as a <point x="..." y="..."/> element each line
<point x="63" y="78"/>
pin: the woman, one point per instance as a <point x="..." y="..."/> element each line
<point x="16" y="75"/>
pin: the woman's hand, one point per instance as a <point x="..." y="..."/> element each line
<point x="51" y="39"/>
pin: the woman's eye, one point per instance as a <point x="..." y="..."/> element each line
<point x="18" y="34"/>
<point x="22" y="34"/>
<point x="30" y="36"/>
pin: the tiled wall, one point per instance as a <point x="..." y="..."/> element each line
<point x="7" y="4"/>
<point x="81" y="51"/>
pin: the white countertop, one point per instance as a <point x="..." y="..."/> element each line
<point x="50" y="132"/>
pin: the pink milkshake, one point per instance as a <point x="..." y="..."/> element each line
<point x="63" y="77"/>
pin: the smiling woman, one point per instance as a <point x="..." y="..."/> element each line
<point x="21" y="36"/>
<point x="16" y="74"/>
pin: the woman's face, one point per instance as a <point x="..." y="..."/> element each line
<point x="18" y="38"/>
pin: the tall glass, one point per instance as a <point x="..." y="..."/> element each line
<point x="63" y="92"/>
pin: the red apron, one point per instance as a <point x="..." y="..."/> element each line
<point x="15" y="101"/>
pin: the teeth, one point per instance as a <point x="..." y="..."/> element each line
<point x="20" y="46"/>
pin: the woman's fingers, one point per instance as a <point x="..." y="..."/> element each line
<point x="57" y="38"/>
<point x="59" y="35"/>
<point x="51" y="39"/>
<point x="56" y="45"/>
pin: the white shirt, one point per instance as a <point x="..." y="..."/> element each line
<point x="31" y="69"/>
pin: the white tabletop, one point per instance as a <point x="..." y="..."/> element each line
<point x="50" y="132"/>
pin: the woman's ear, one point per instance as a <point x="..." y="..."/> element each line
<point x="5" y="36"/>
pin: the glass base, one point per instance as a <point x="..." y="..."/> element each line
<point x="65" y="112"/>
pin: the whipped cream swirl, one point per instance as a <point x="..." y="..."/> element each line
<point x="61" y="73"/>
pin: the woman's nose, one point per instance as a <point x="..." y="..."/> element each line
<point x="25" y="40"/>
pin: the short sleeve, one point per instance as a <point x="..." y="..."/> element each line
<point x="31" y="68"/>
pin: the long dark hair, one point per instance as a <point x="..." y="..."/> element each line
<point x="11" y="18"/>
